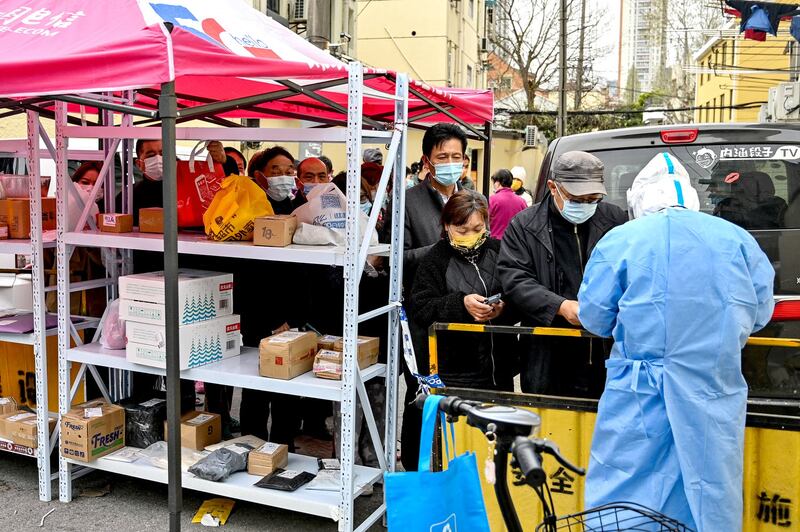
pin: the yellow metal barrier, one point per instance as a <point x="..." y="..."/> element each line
<point x="771" y="487"/>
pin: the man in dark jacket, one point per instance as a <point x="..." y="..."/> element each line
<point x="544" y="252"/>
<point x="444" y="147"/>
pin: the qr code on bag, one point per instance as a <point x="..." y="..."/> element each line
<point x="331" y="201"/>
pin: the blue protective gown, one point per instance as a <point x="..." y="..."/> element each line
<point x="680" y="292"/>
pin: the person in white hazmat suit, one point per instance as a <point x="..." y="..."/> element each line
<point x="680" y="292"/>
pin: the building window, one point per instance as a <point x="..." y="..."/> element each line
<point x="724" y="53"/>
<point x="721" y="107"/>
<point x="469" y="76"/>
<point x="730" y="99"/>
<point x="714" y="110"/>
<point x="471" y="8"/>
<point x="274" y="6"/>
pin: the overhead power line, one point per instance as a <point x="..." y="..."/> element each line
<point x="749" y="105"/>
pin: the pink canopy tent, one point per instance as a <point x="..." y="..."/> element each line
<point x="215" y="52"/>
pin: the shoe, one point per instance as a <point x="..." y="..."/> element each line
<point x="235" y="425"/>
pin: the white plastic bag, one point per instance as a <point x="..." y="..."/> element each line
<point x="113" y="334"/>
<point x="322" y="220"/>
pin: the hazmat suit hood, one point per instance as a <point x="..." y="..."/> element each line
<point x="663" y="183"/>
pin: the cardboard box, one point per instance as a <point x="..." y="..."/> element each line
<point x="276" y="230"/>
<point x="328" y="364"/>
<point x="21" y="429"/>
<point x="7" y="421"/>
<point x="267" y="458"/>
<point x="287" y="355"/>
<point x="327" y="342"/>
<point x="16" y="291"/>
<point x="368" y="348"/>
<point x="91" y="430"/>
<point x="201" y="296"/>
<point x="151" y="220"/>
<point x="7" y="405"/>
<point x="200" y="343"/>
<point x="114" y="222"/>
<point x="16" y="214"/>
<point x="198" y="430"/>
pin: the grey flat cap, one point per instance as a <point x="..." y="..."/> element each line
<point x="580" y="173"/>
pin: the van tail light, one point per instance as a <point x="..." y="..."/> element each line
<point x="787" y="311"/>
<point x="679" y="136"/>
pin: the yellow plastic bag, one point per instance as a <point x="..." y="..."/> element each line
<point x="235" y="207"/>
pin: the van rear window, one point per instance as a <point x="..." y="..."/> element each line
<point x="756" y="186"/>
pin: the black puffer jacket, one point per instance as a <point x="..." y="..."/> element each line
<point x="528" y="266"/>
<point x="443" y="279"/>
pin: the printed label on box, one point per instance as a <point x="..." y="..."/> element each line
<point x="152" y="402"/>
<point x="285" y="337"/>
<point x="199" y="420"/>
<point x="109" y="220"/>
<point x="21" y="417"/>
<point x="289" y="474"/>
<point x="268" y="448"/>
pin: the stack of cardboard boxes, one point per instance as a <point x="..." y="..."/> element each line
<point x="209" y="331"/>
<point x="18" y="428"/>
<point x="289" y="354"/>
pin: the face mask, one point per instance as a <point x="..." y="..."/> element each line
<point x="87" y="191"/>
<point x="308" y="187"/>
<point x="576" y="212"/>
<point x="447" y="173"/>
<point x="154" y="167"/>
<point x="467" y="243"/>
<point x="281" y="187"/>
<point x="366" y="207"/>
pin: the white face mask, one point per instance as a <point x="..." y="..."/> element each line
<point x="87" y="191"/>
<point x="154" y="167"/>
<point x="281" y="187"/>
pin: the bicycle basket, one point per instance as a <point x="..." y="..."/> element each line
<point x="614" y="517"/>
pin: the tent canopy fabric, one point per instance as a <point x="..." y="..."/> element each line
<point x="215" y="51"/>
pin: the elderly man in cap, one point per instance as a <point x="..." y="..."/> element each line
<point x="544" y="252"/>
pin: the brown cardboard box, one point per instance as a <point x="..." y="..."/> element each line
<point x="287" y="355"/>
<point x="267" y="458"/>
<point x="16" y="214"/>
<point x="6" y="425"/>
<point x="7" y="405"/>
<point x="21" y="429"/>
<point x="110" y="222"/>
<point x="327" y="342"/>
<point x="198" y="430"/>
<point x="276" y="230"/>
<point x="368" y="349"/>
<point x="151" y="220"/>
<point x="328" y="364"/>
<point x="91" y="430"/>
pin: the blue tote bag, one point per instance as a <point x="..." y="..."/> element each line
<point x="443" y="501"/>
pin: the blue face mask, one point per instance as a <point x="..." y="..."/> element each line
<point x="576" y="212"/>
<point x="308" y="187"/>
<point x="366" y="206"/>
<point x="448" y="174"/>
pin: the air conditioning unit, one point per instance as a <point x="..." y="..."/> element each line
<point x="298" y="10"/>
<point x="531" y="136"/>
<point x="788" y="103"/>
<point x="770" y="109"/>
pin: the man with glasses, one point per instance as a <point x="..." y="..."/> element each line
<point x="544" y="252"/>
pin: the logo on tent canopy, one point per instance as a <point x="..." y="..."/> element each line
<point x="212" y="31"/>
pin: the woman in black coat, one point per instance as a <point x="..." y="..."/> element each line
<point x="451" y="284"/>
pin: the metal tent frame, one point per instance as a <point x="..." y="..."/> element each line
<point x="118" y="248"/>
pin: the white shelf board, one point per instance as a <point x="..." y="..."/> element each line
<point x="27" y="338"/>
<point x="198" y="244"/>
<point x="240" y="371"/>
<point x="241" y="485"/>
<point x="18" y="246"/>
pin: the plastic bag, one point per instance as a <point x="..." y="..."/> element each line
<point x="232" y="214"/>
<point x="322" y="220"/>
<point x="285" y="480"/>
<point x="113" y="334"/>
<point x="156" y="454"/>
<point x="198" y="183"/>
<point x="222" y="463"/>
<point x="144" y="422"/>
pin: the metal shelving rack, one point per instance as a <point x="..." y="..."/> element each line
<point x="29" y="149"/>
<point x="243" y="370"/>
